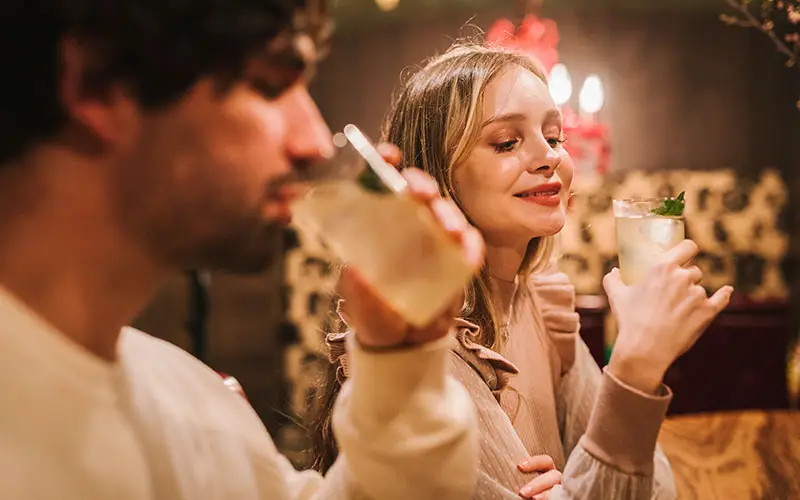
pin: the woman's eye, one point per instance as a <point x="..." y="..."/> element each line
<point x="556" y="141"/>
<point x="505" y="146"/>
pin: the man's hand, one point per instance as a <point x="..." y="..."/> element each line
<point x="375" y="324"/>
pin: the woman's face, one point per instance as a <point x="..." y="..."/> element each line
<point x="515" y="182"/>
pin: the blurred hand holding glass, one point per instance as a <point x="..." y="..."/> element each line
<point x="646" y="228"/>
<point x="396" y="244"/>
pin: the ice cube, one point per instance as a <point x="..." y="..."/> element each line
<point x="665" y="233"/>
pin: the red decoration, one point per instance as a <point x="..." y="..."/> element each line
<point x="588" y="141"/>
<point x="535" y="36"/>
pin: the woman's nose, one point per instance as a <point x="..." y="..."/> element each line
<point x="546" y="166"/>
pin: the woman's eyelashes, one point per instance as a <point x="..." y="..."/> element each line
<point x="509" y="145"/>
<point x="505" y="146"/>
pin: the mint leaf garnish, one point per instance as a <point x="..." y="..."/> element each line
<point x="370" y="181"/>
<point x="672" y="207"/>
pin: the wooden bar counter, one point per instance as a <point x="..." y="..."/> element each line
<point x="735" y="455"/>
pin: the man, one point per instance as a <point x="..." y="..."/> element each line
<point x="140" y="137"/>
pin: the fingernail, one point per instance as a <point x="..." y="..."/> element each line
<point x="455" y="215"/>
<point x="439" y="210"/>
<point x="526" y="491"/>
<point x="446" y="216"/>
<point x="525" y="464"/>
<point x="421" y="182"/>
<point x="386" y="150"/>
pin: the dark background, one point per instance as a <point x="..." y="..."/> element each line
<point x="682" y="91"/>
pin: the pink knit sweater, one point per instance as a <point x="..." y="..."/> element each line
<point x="544" y="394"/>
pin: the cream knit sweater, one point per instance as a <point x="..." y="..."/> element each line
<point x="158" y="424"/>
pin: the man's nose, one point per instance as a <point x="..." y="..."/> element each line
<point x="308" y="138"/>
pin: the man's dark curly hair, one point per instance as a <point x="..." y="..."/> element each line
<point x="157" y="48"/>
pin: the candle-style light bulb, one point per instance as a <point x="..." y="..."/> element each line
<point x="591" y="97"/>
<point x="560" y="84"/>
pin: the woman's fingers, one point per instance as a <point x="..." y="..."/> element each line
<point x="541" y="484"/>
<point x="695" y="275"/>
<point x="537" y="463"/>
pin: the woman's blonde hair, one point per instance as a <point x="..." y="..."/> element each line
<point x="436" y="121"/>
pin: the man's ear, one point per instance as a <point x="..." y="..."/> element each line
<point x="106" y="115"/>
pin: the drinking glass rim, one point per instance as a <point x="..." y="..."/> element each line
<point x="643" y="200"/>
<point x="639" y="204"/>
<point x="651" y="216"/>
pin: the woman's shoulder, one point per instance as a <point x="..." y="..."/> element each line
<point x="490" y="365"/>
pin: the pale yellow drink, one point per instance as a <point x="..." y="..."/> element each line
<point x="642" y="236"/>
<point x="394" y="242"/>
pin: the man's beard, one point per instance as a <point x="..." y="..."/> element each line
<point x="239" y="252"/>
<point x="214" y="240"/>
<point x="261" y="255"/>
<point x="198" y="228"/>
<point x="253" y="245"/>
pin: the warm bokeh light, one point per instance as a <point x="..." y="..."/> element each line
<point x="387" y="5"/>
<point x="591" y="97"/>
<point x="560" y="84"/>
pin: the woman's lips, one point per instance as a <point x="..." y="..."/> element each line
<point x="548" y="195"/>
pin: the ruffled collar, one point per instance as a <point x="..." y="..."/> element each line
<point x="492" y="366"/>
<point x="555" y="297"/>
<point x="495" y="369"/>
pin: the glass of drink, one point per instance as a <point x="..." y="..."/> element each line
<point x="364" y="217"/>
<point x="646" y="228"/>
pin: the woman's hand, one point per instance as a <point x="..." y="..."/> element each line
<point x="375" y="324"/>
<point x="661" y="317"/>
<point x="548" y="477"/>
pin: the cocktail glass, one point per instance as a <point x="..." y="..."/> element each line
<point x="393" y="241"/>
<point x="643" y="236"/>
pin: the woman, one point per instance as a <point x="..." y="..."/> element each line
<point x="481" y="122"/>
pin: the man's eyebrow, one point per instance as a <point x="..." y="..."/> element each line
<point x="287" y="59"/>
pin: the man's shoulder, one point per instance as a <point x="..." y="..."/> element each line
<point x="147" y="355"/>
<point x="136" y="342"/>
<point x="173" y="378"/>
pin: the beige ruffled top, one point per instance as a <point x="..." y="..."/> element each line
<point x="545" y="394"/>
